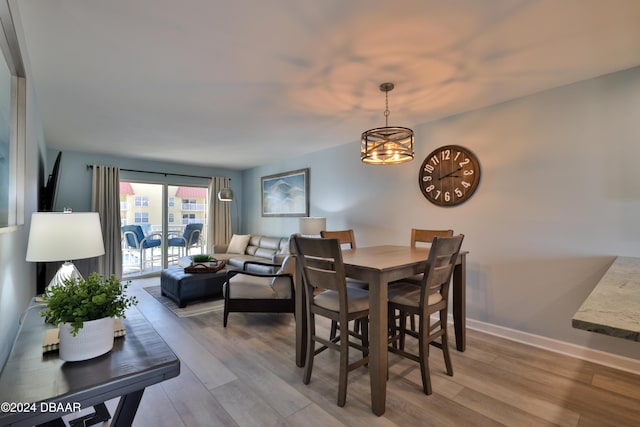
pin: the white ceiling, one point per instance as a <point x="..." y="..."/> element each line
<point x="242" y="83"/>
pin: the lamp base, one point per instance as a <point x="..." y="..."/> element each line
<point x="67" y="271"/>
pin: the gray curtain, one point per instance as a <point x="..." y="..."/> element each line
<point x="219" y="232"/>
<point x="105" y="199"/>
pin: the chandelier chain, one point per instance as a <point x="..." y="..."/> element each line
<point x="386" y="108"/>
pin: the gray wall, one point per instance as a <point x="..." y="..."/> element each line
<point x="558" y="200"/>
<point x="74" y="187"/>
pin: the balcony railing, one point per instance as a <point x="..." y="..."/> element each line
<point x="193" y="207"/>
<point x="192" y="221"/>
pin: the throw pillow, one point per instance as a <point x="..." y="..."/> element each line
<point x="238" y="243"/>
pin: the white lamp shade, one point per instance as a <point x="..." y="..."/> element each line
<point x="58" y="236"/>
<point x="312" y="226"/>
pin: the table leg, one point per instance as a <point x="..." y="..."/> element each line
<point x="460" y="302"/>
<point x="378" y="343"/>
<point x="100" y="415"/>
<point x="126" y="410"/>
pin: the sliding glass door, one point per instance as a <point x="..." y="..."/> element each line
<point x="186" y="220"/>
<point x="160" y="224"/>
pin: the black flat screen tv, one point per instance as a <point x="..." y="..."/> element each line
<point x="48" y="192"/>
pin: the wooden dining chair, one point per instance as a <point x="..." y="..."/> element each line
<point x="426" y="236"/>
<point x="327" y="294"/>
<point x="431" y="297"/>
<point x="345" y="237"/>
<point x="419" y="235"/>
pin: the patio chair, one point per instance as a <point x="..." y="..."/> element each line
<point x="190" y="238"/>
<point x="134" y="238"/>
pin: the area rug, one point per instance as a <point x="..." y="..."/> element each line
<point x="192" y="309"/>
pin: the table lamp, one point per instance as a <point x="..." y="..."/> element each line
<point x="64" y="236"/>
<point x="312" y="226"/>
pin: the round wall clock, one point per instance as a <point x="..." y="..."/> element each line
<point x="449" y="175"/>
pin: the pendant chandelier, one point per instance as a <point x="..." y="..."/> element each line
<point x="387" y="145"/>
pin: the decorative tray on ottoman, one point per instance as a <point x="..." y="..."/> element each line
<point x="205" y="267"/>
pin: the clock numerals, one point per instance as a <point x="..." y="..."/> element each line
<point x="449" y="175"/>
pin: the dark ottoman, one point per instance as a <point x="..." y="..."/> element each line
<point x="184" y="287"/>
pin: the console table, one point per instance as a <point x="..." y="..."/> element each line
<point x="49" y="385"/>
<point x="613" y="308"/>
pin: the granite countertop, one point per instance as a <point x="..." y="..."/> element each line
<point x="613" y="307"/>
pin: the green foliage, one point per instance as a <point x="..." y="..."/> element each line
<point x="82" y="300"/>
<point x="201" y="258"/>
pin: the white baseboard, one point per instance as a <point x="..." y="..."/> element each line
<point x="596" y="356"/>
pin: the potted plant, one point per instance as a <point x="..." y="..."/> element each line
<point x="200" y="258"/>
<point x="85" y="311"/>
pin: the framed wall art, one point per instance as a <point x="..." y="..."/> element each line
<point x="286" y="194"/>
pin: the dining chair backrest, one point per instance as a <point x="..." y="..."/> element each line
<point x="440" y="263"/>
<point x="321" y="265"/>
<point x="426" y="236"/>
<point x="346" y="237"/>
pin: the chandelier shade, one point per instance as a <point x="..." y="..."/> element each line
<point x="389" y="144"/>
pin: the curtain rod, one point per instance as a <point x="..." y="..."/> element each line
<point x="159" y="173"/>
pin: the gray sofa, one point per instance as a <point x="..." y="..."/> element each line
<point x="266" y="249"/>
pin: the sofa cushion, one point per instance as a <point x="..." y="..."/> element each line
<point x="265" y="253"/>
<point x="238" y="243"/>
<point x="252" y="287"/>
<point x="270" y="243"/>
<point x="239" y="260"/>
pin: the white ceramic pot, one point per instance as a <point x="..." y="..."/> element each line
<point x="94" y="339"/>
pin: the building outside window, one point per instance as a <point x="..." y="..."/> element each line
<point x="141" y="217"/>
<point x="189" y="218"/>
<point x="189" y="204"/>
<point x="142" y="201"/>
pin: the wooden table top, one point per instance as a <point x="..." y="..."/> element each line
<point x="139" y="359"/>
<point x="386" y="257"/>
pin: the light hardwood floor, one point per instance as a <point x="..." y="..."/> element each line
<point x="245" y="375"/>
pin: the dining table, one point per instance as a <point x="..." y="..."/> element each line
<point x="378" y="266"/>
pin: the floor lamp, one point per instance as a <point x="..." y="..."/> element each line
<point x="64" y="236"/>
<point x="226" y="195"/>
